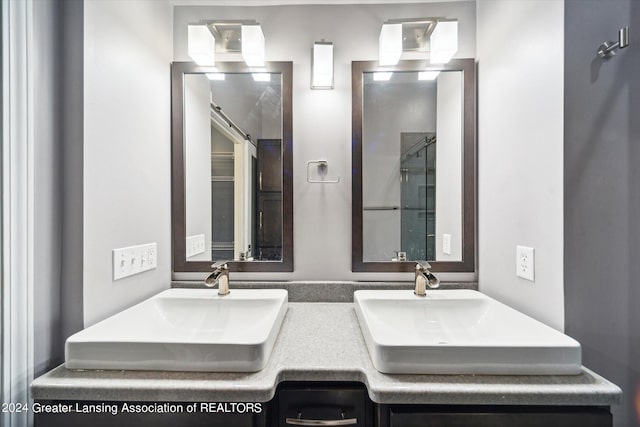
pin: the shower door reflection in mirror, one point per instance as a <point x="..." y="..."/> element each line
<point x="417" y="194"/>
<point x="412" y="140"/>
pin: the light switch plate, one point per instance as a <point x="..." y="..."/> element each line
<point x="195" y="245"/>
<point x="446" y="244"/>
<point x="525" y="263"/>
<point x="134" y="259"/>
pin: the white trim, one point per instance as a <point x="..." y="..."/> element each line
<point x="17" y="208"/>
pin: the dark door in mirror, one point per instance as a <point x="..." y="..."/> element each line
<point x="269" y="201"/>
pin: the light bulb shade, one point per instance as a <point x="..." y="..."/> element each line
<point x="444" y="42"/>
<point x="428" y="75"/>
<point x="253" y="45"/>
<point x="261" y="77"/>
<point x="201" y="45"/>
<point x="390" y="44"/>
<point x="216" y="76"/>
<point x="322" y="66"/>
<point x="382" y="76"/>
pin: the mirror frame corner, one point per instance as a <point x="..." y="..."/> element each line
<point x="469" y="167"/>
<point x="178" y="209"/>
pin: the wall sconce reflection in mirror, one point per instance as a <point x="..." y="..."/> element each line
<point x="226" y="37"/>
<point x="438" y="36"/>
<point x="322" y="65"/>
<point x="607" y="49"/>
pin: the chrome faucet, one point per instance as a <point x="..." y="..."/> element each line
<point x="220" y="277"/>
<point x="424" y="278"/>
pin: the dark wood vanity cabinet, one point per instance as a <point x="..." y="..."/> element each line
<point x="332" y="404"/>
<point x="491" y="416"/>
<point x="206" y="414"/>
<point x="299" y="404"/>
<point x="307" y="403"/>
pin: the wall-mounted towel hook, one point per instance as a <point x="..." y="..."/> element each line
<point x="606" y="49"/>
<point x="323" y="167"/>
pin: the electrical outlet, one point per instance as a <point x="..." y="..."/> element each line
<point x="446" y="244"/>
<point x="525" y="263"/>
<point x="134" y="259"/>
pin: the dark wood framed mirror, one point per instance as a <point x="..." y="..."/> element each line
<point x="413" y="166"/>
<point x="232" y="167"/>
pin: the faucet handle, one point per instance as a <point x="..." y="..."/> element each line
<point x="401" y="255"/>
<point x="220" y="265"/>
<point x="423" y="266"/>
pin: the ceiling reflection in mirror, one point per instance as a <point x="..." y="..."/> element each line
<point x="412" y="147"/>
<point x="233" y="166"/>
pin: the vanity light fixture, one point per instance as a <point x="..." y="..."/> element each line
<point x="215" y="76"/>
<point x="241" y="37"/>
<point x="428" y="75"/>
<point x="444" y="42"/>
<point x="201" y="45"/>
<point x="390" y="44"/>
<point x="261" y="77"/>
<point x="253" y="51"/>
<point x="382" y="76"/>
<point x="438" y="36"/>
<point x="322" y="65"/>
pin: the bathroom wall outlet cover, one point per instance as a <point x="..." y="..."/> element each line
<point x="525" y="263"/>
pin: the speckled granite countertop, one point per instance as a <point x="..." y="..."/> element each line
<point x="323" y="342"/>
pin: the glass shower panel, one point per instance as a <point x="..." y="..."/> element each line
<point x="418" y="195"/>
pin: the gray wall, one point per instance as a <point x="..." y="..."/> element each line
<point x="197" y="160"/>
<point x="449" y="165"/>
<point x="520" y="131"/>
<point x="602" y="194"/>
<point x="71" y="290"/>
<point x="57" y="59"/>
<point x="126" y="144"/>
<point x="48" y="188"/>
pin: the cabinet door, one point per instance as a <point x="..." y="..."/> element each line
<point x="269" y="165"/>
<point x="112" y="414"/>
<point x="500" y="417"/>
<point x="328" y="406"/>
<point x="269" y="223"/>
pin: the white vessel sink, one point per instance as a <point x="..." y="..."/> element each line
<point x="185" y="330"/>
<point x="459" y="332"/>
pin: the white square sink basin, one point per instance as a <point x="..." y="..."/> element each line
<point x="459" y="332"/>
<point x="185" y="330"/>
